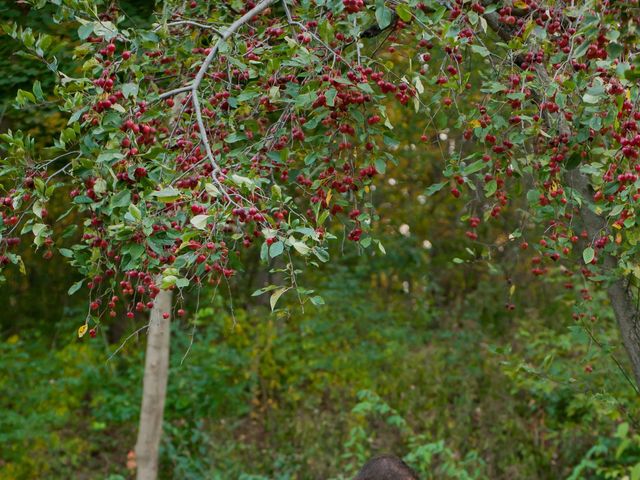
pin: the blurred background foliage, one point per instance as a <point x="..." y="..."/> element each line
<point x="413" y="352"/>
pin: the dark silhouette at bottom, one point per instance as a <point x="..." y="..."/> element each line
<point x="386" y="467"/>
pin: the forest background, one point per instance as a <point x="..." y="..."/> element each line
<point x="415" y="352"/>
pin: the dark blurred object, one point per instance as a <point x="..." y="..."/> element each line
<point x="386" y="467"/>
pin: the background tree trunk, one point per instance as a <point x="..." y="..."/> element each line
<point x="623" y="304"/>
<point x="154" y="389"/>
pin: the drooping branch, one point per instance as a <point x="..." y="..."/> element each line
<point x="194" y="87"/>
<point x="621" y="300"/>
<point x="247" y="17"/>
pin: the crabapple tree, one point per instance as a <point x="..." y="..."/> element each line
<point x="224" y="125"/>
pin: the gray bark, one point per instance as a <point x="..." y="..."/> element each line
<point x="619" y="296"/>
<point x="156" y="373"/>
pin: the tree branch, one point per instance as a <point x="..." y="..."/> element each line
<point x="595" y="225"/>
<point x="260" y="7"/>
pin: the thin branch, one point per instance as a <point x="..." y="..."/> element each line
<point x="189" y="22"/>
<point x="175" y="91"/>
<point x="260" y="7"/>
<point x="126" y="340"/>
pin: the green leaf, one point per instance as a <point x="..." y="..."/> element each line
<point x="384" y="16"/>
<point x="317" y="300"/>
<point x="168" y="194"/>
<point x="588" y="98"/>
<point x="168" y="282"/>
<point x="75" y="287"/>
<point x="23" y="97"/>
<point x="404" y="12"/>
<point x="276" y="249"/>
<point x="588" y="255"/>
<point x="441" y="119"/>
<point x="433" y="189"/>
<point x="200" y="221"/>
<point x="235" y="137"/>
<point x="275" y="296"/>
<point x="490" y="188"/>
<point x="120" y="199"/>
<point x="474" y="167"/>
<point x="244" y="96"/>
<point x="615" y="49"/>
<point x="331" y="96"/>
<point x="581" y="50"/>
<point x="110" y="156"/>
<point x="390" y="141"/>
<point x="130" y="90"/>
<point x="481" y="50"/>
<point x="321" y="254"/>
<point x="105" y="29"/>
<point x="37" y="90"/>
<point x="135" y="212"/>
<point x="617" y="210"/>
<point x="243" y="181"/>
<point x="85" y="30"/>
<point x="301" y="247"/>
<point x="212" y="190"/>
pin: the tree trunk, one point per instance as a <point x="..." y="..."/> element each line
<point x="154" y="389"/>
<point x="620" y="298"/>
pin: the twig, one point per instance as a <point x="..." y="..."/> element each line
<point x="125" y="341"/>
<point x="188" y="22"/>
<point x="175" y="91"/>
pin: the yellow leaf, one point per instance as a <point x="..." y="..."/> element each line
<point x="512" y="289"/>
<point x="82" y="330"/>
<point x="366" y="188"/>
<point x="329" y="194"/>
<point x="618" y="238"/>
<point x="617" y="225"/>
<point x="474" y="123"/>
<point x="520" y="4"/>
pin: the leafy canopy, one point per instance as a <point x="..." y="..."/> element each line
<point x="227" y="125"/>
